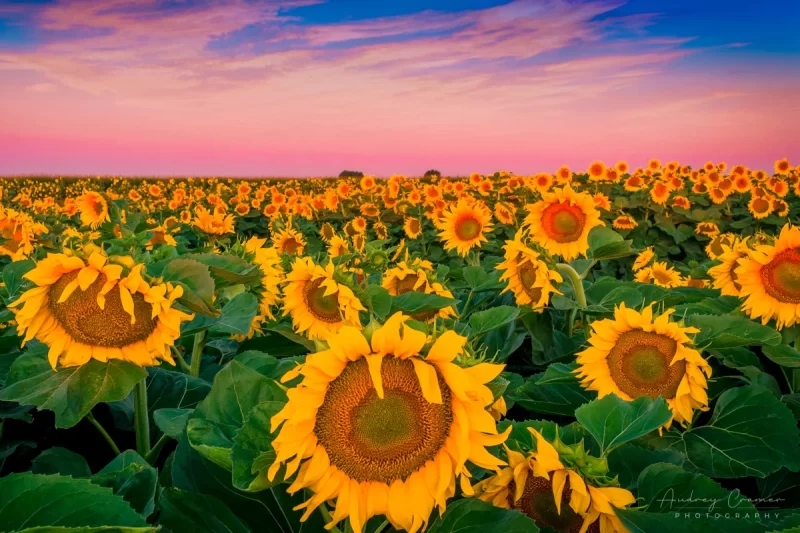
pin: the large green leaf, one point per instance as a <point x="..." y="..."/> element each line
<point x="71" y="392"/>
<point x="237" y="315"/>
<point x="783" y="355"/>
<point x="666" y="488"/>
<point x="31" y="500"/>
<point x="750" y="434"/>
<point x="493" y="318"/>
<point x="61" y="461"/>
<point x="253" y="453"/>
<point x="12" y="277"/>
<point x="198" y="285"/>
<point x="728" y="331"/>
<point x="98" y="529"/>
<point x="612" y="421"/>
<point x="172" y="421"/>
<point x="187" y="511"/>
<point x="629" y="460"/>
<point x="229" y="270"/>
<point x="471" y="515"/>
<point x="414" y="302"/>
<point x="550" y="398"/>
<point x="237" y="389"/>
<point x="210" y="441"/>
<point x="133" y="479"/>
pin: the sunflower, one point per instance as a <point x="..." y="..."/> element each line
<point x="715" y="247"/>
<point x="93" y="209"/>
<point x="318" y="304"/>
<point x="709" y="229"/>
<point x="383" y="430"/>
<point x="88" y="311"/>
<point x="602" y="201"/>
<point x="644" y="258"/>
<point x="269" y="262"/>
<point x="338" y="247"/>
<point x="529" y="277"/>
<point x="360" y="225"/>
<point x="624" y="222"/>
<point x="633" y="355"/>
<point x="381" y="231"/>
<point x="561" y="221"/>
<point x="161" y="236"/>
<point x="782" y="166"/>
<point x="770" y="279"/>
<point x="16" y="234"/>
<point x="464" y="226"/>
<point x="504" y="214"/>
<point x="723" y="274"/>
<point x="660" y="192"/>
<point x="405" y="277"/>
<point x="413" y="227"/>
<point x="327" y="232"/>
<point x="760" y="206"/>
<point x="555" y="495"/>
<point x="216" y="223"/>
<point x="596" y="171"/>
<point x="289" y="241"/>
<point x="664" y="275"/>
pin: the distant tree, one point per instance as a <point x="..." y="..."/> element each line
<point x="433" y="173"/>
<point x="351" y="174"/>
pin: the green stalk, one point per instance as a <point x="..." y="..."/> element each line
<point x="92" y="420"/>
<point x="141" y="418"/>
<point x="197" y="353"/>
<point x="577" y="285"/>
<point x="153" y="455"/>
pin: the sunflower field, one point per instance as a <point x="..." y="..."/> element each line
<point x="610" y="350"/>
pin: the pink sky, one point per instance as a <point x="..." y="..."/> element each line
<point x="523" y="86"/>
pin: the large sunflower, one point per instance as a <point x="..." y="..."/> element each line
<point x="289" y="241"/>
<point x="556" y="496"/>
<point x="464" y="225"/>
<point x="93" y="209"/>
<point x="723" y="274"/>
<point x="382" y="429"/>
<point x="529" y="278"/>
<point x="88" y="310"/>
<point x="318" y="304"/>
<point x="213" y="223"/>
<point x="770" y="280"/>
<point x="561" y="222"/>
<point x="633" y="356"/>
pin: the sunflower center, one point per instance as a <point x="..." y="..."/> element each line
<point x="324" y="308"/>
<point x="640" y="364"/>
<point x="537" y="502"/>
<point x="468" y="228"/>
<point x="527" y="277"/>
<point x="760" y="205"/>
<point x="85" y="322"/>
<point x="781" y="276"/>
<point x="563" y="222"/>
<point x="290" y="246"/>
<point x="374" y="439"/>
<point x="406" y="284"/>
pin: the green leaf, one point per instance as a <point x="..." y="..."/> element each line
<point x="71" y="392"/>
<point x="253" y="453"/>
<point x="602" y="236"/>
<point x="783" y="355"/>
<point x="552" y="398"/>
<point x="229" y="270"/>
<point x="629" y="460"/>
<point x="31" y="500"/>
<point x="613" y="421"/>
<point x="414" y="302"/>
<point x="666" y="488"/>
<point x="471" y="515"/>
<point x="730" y="331"/>
<point x="186" y="511"/>
<point x="133" y="479"/>
<point x="237" y="315"/>
<point x="198" y="285"/>
<point x="12" y="276"/>
<point x="269" y="510"/>
<point x="61" y="461"/>
<point x="613" y="250"/>
<point x="99" y="529"/>
<point x="237" y="389"/>
<point x="559" y="373"/>
<point x="210" y="441"/>
<point x="379" y="301"/>
<point x="286" y="331"/>
<point x="751" y="433"/>
<point x="172" y="421"/>
<point x="493" y="318"/>
<point x="474" y="276"/>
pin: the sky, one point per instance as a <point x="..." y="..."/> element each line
<point x="313" y="87"/>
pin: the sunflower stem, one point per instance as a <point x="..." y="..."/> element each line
<point x="153" y="455"/>
<point x="197" y="353"/>
<point x="181" y="361"/>
<point x="326" y="515"/>
<point x="577" y="284"/>
<point x="141" y="418"/>
<point x="381" y="527"/>
<point x="92" y="420"/>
